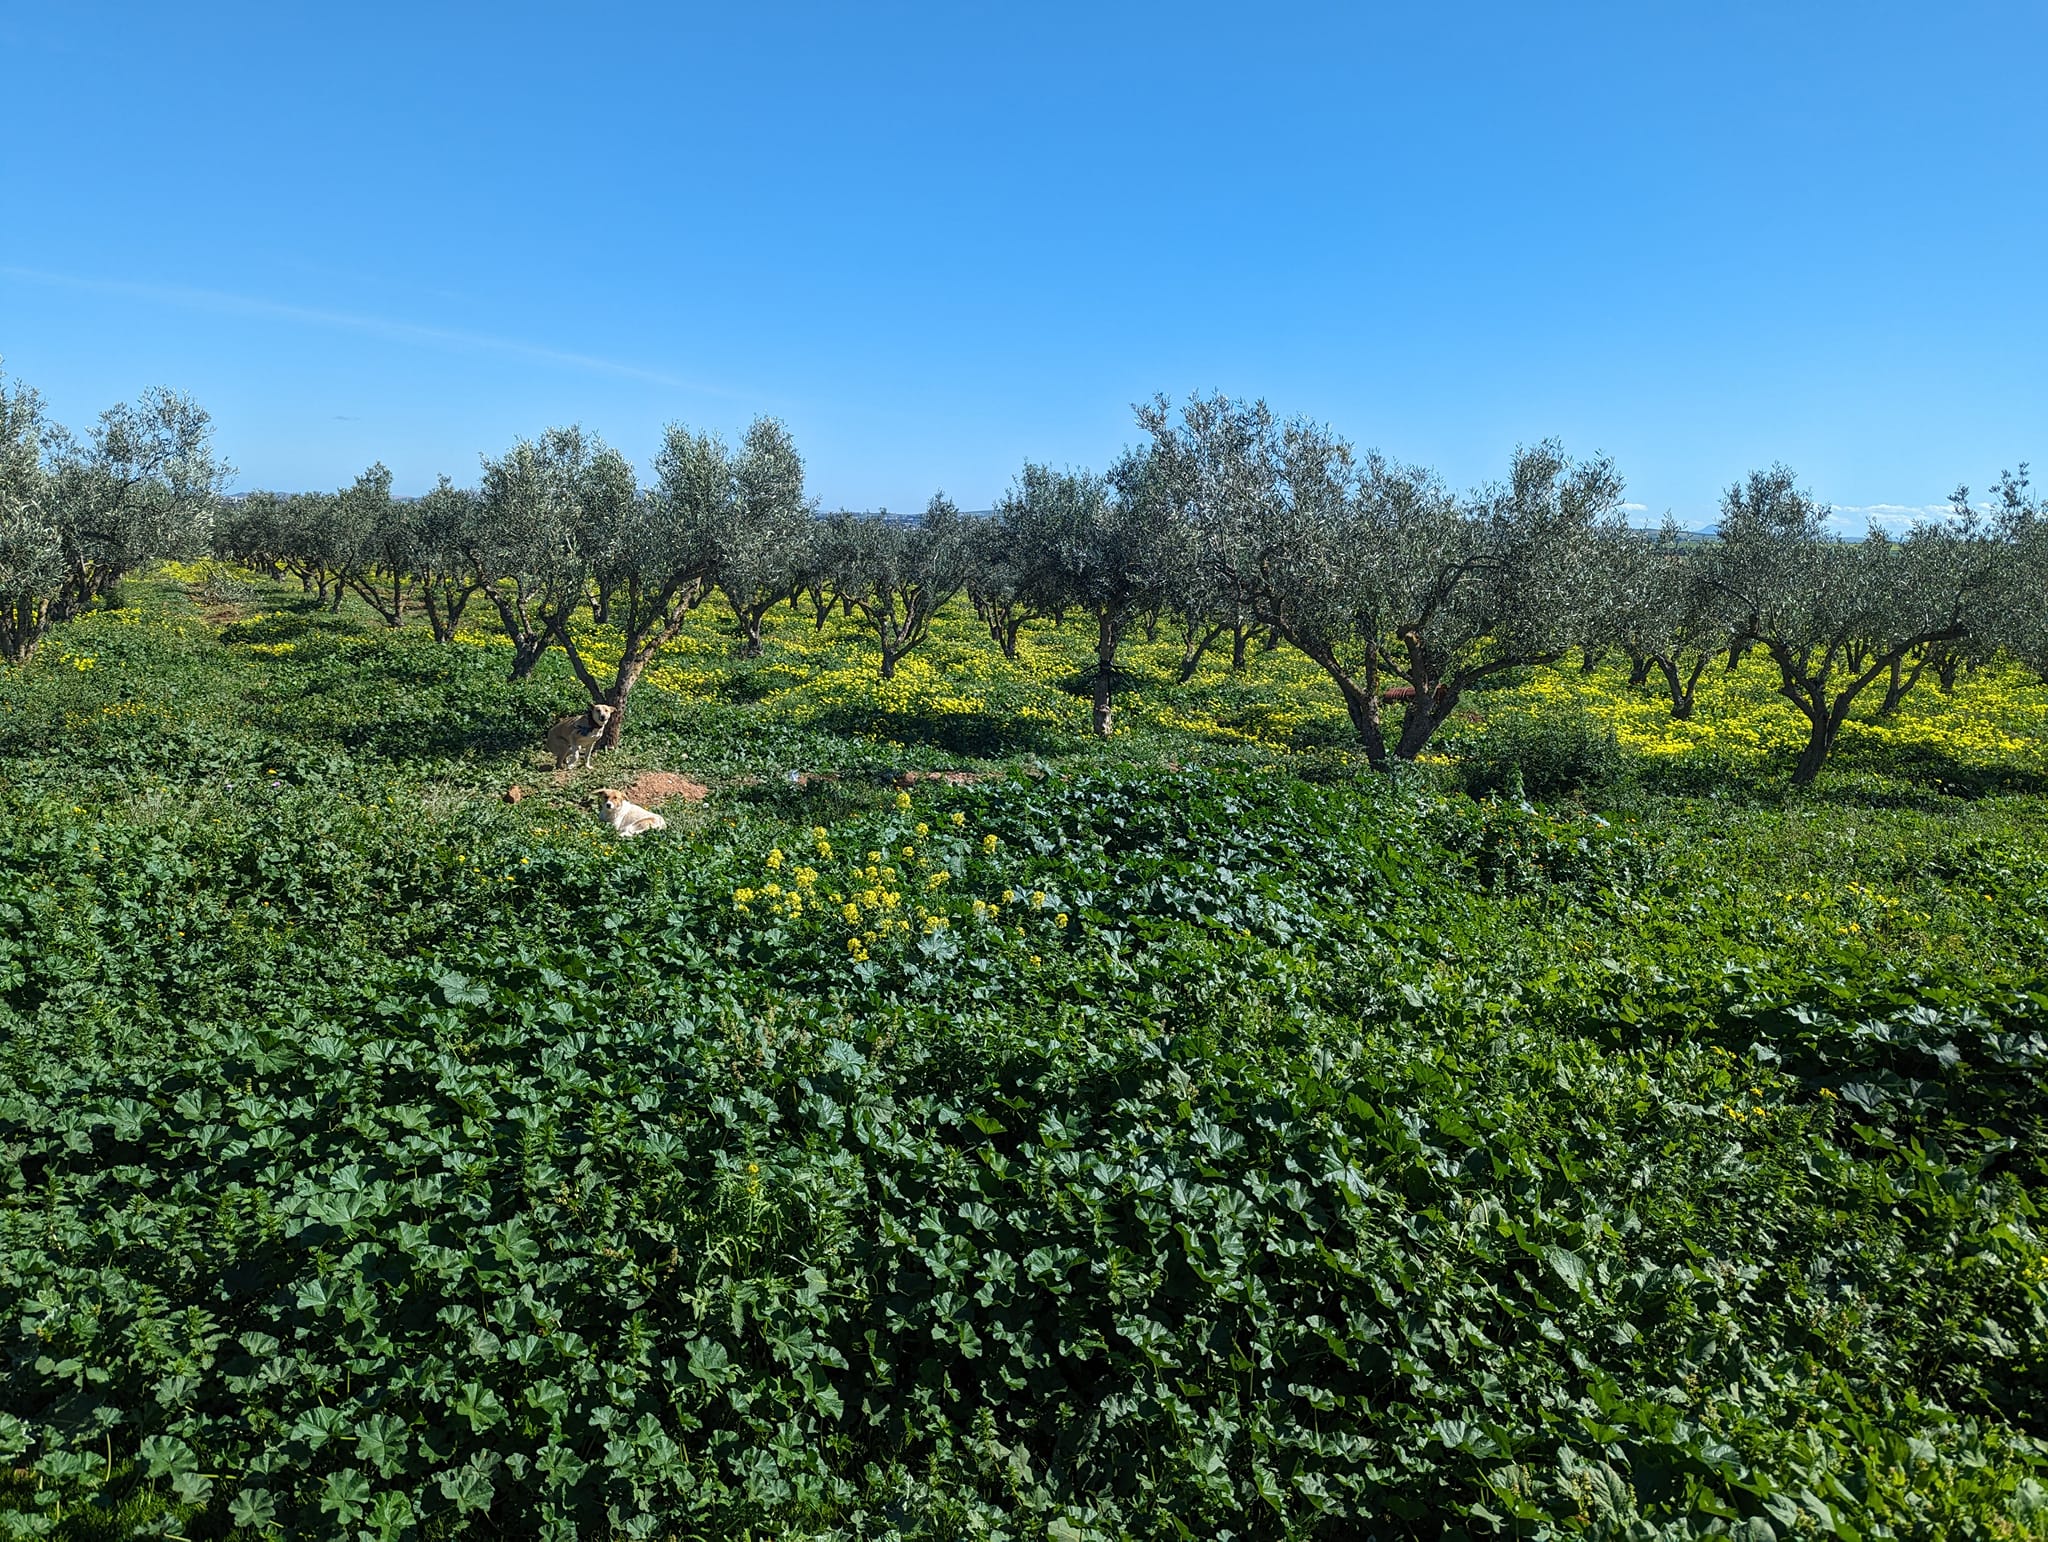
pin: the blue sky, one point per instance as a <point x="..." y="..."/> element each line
<point x="937" y="240"/>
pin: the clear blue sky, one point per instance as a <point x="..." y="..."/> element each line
<point x="939" y="239"/>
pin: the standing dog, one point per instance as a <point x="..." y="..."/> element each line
<point x="575" y="737"/>
<point x="629" y="819"/>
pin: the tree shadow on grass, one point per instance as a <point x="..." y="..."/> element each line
<point x="296" y="618"/>
<point x="978" y="736"/>
<point x="817" y="801"/>
<point x="1928" y="783"/>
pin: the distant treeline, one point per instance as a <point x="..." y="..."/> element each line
<point x="1223" y="522"/>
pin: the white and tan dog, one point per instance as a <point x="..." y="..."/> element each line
<point x="575" y="737"/>
<point x="629" y="819"/>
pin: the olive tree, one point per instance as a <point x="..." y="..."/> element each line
<point x="1667" y="616"/>
<point x="252" y="530"/>
<point x="549" y="506"/>
<point x="77" y="516"/>
<point x="1276" y="513"/>
<point x="443" y="522"/>
<point x="383" y="544"/>
<point x="32" y="567"/>
<point x="1097" y="546"/>
<point x="654" y="560"/>
<point x="1219" y="471"/>
<point x="2013" y="615"/>
<point x="827" y="564"/>
<point x="757" y="536"/>
<point x="141" y="486"/>
<point x="1203" y="605"/>
<point x="1376" y="572"/>
<point x="999" y="582"/>
<point x="1500" y="581"/>
<point x="1835" y="615"/>
<point x="309" y="540"/>
<point x="900" y="575"/>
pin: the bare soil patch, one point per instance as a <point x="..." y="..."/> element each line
<point x="650" y="789"/>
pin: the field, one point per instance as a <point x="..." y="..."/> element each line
<point x="1194" y="1135"/>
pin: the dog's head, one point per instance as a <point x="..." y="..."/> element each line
<point x="598" y="715"/>
<point x="609" y="798"/>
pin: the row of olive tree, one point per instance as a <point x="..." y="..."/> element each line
<point x="78" y="515"/>
<point x="1377" y="573"/>
<point x="1224" y="518"/>
<point x="1229" y="521"/>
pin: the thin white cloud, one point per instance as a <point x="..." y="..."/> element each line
<point x="1855" y="518"/>
<point x="1895" y="510"/>
<point x="379" y="326"/>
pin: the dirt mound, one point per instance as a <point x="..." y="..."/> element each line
<point x="652" y="788"/>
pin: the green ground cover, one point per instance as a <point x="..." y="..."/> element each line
<point x="1186" y="1136"/>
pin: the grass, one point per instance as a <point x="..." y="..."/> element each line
<point x="1190" y="1134"/>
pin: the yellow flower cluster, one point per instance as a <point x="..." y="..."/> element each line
<point x="1998" y="717"/>
<point x="891" y="894"/>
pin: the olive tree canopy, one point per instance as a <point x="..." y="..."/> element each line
<point x="899" y="576"/>
<point x="142" y="486"/>
<point x="31" y="550"/>
<point x="648" y="554"/>
<point x="757" y="537"/>
<point x="443" y="521"/>
<point x="383" y="543"/>
<point x="1375" y="571"/>
<point x="1666" y="614"/>
<point x="1094" y="544"/>
<point x="2015" y="606"/>
<point x="545" y="503"/>
<point x="1837" y="615"/>
<point x="999" y="581"/>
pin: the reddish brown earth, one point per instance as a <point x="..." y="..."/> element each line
<point x="651" y="789"/>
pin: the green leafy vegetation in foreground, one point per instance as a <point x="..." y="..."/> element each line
<point x="1251" y="1148"/>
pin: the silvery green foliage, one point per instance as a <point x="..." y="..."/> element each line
<point x="1665" y="613"/>
<point x="832" y="558"/>
<point x="2014" y="613"/>
<point x="758" y="545"/>
<point x="143" y="485"/>
<point x="315" y="544"/>
<point x="383" y="543"/>
<point x="899" y="576"/>
<point x="999" y="583"/>
<point x="250" y="529"/>
<point x="1374" y="569"/>
<point x="1094" y="544"/>
<point x="1507" y="578"/>
<point x="31" y="551"/>
<point x="648" y="554"/>
<point x="1196" y="589"/>
<point x="549" y="521"/>
<point x="443" y="521"/>
<point x="1836" y="615"/>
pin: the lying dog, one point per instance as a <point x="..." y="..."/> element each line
<point x="575" y="737"/>
<point x="629" y="819"/>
